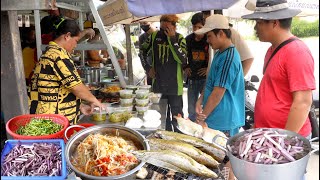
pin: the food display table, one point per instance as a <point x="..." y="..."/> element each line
<point x="161" y="107"/>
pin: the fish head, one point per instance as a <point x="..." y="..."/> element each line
<point x="138" y="154"/>
<point x="158" y="134"/>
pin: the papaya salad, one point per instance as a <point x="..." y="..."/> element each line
<point x="104" y="155"/>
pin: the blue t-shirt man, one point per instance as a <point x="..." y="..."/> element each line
<point x="226" y="72"/>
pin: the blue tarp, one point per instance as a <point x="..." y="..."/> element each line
<point x="141" y="8"/>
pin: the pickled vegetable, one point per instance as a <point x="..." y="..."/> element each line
<point x="120" y="117"/>
<point x="99" y="117"/>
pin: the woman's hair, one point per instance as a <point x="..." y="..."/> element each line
<point x="63" y="26"/>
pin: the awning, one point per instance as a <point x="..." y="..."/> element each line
<point x="142" y="8"/>
<point x="130" y="11"/>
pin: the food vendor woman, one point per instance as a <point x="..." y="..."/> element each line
<point x="56" y="87"/>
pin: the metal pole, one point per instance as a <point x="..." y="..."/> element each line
<point x="211" y="52"/>
<point x="81" y="28"/>
<point x="38" y="32"/>
<point x="14" y="99"/>
<point x="129" y="53"/>
<point x="103" y="33"/>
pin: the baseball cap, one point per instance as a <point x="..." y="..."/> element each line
<point x="215" y="21"/>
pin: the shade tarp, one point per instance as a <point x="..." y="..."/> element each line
<point x="142" y="8"/>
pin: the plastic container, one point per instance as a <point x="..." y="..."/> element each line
<point x="155" y="97"/>
<point x="128" y="109"/>
<point x="10" y="145"/>
<point x="132" y="87"/>
<point x="14" y="124"/>
<point x="142" y="102"/>
<point x="126" y="94"/>
<point x="72" y="130"/>
<point x="98" y="115"/>
<point x="142" y="94"/>
<point x="142" y="110"/>
<point x="126" y="102"/>
<point x="145" y="87"/>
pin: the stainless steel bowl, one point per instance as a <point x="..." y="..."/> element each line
<point x="117" y="130"/>
<point x="245" y="170"/>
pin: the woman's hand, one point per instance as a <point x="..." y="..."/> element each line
<point x="85" y="109"/>
<point x="88" y="109"/>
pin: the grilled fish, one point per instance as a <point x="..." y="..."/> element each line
<point x="196" y="154"/>
<point x="206" y="147"/>
<point x="177" y="159"/>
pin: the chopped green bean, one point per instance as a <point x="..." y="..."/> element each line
<point x="39" y="127"/>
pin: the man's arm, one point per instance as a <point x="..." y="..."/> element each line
<point x="178" y="48"/>
<point x="302" y="101"/>
<point x="144" y="48"/>
<point x="246" y="65"/>
<point x="86" y="34"/>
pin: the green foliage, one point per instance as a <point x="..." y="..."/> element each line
<point x="302" y="28"/>
<point x="186" y="24"/>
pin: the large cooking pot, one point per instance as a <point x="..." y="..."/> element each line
<point x="117" y="130"/>
<point x="245" y="170"/>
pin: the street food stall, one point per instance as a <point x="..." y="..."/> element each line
<point x="128" y="140"/>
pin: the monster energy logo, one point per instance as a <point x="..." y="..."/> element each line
<point x="163" y="52"/>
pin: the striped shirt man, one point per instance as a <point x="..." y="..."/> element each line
<point x="226" y="72"/>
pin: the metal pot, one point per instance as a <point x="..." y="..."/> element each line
<point x="95" y="75"/>
<point x="245" y="170"/>
<point x="117" y="130"/>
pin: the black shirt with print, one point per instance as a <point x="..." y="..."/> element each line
<point x="197" y="55"/>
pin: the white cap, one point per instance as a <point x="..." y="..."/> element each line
<point x="216" y="21"/>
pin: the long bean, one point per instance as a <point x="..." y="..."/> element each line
<point x="39" y="127"/>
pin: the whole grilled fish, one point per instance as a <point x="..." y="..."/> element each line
<point x="196" y="154"/>
<point x="176" y="159"/>
<point x="206" y="147"/>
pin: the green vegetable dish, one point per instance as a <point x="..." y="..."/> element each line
<point x="39" y="127"/>
<point x="120" y="117"/>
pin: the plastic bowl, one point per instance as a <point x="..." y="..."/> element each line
<point x="75" y="129"/>
<point x="142" y="110"/>
<point x="126" y="94"/>
<point x="126" y="102"/>
<point x="145" y="87"/>
<point x="142" y="94"/>
<point x="14" y="124"/>
<point x="132" y="87"/>
<point x="128" y="109"/>
<point x="142" y="102"/>
<point x="155" y="98"/>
